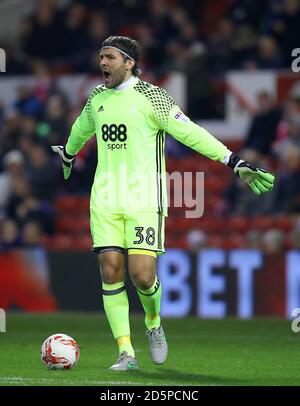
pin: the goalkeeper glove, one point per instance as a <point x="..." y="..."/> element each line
<point x="259" y="180"/>
<point x="66" y="159"/>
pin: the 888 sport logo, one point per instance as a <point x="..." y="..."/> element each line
<point x="114" y="135"/>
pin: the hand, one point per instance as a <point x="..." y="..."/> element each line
<point x="65" y="158"/>
<point x="258" y="179"/>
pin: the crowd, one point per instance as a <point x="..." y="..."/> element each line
<point x="231" y="34"/>
<point x="198" y="38"/>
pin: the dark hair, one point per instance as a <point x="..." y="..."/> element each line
<point x="128" y="45"/>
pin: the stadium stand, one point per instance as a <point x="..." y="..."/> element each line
<point x="52" y="39"/>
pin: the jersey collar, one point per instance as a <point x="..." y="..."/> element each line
<point x="125" y="85"/>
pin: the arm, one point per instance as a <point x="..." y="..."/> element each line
<point x="194" y="136"/>
<point x="173" y="121"/>
<point x="82" y="130"/>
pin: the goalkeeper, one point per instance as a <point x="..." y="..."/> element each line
<point x="130" y="119"/>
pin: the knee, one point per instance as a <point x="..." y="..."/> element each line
<point x="111" y="276"/>
<point x="142" y="280"/>
<point x="111" y="271"/>
<point x="142" y="269"/>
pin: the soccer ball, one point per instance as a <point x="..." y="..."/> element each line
<point x="59" y="351"/>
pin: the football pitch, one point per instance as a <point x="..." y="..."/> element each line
<point x="201" y="352"/>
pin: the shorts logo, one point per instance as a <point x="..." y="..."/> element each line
<point x="181" y="117"/>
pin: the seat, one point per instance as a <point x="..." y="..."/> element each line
<point x="260" y="223"/>
<point x="238" y="224"/>
<point x="66" y="204"/>
<point x="210" y="203"/>
<point x="82" y="224"/>
<point x="66" y="224"/>
<point x="83" y="204"/>
<point x="61" y="242"/>
<point x="233" y="241"/>
<point x="215" y="184"/>
<point x="284" y="223"/>
<point x="82" y="242"/>
<point x="215" y="241"/>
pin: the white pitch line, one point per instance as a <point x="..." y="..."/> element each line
<point x="20" y="380"/>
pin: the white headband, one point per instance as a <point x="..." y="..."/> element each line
<point x="120" y="50"/>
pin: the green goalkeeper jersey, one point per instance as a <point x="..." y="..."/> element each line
<point x="130" y="126"/>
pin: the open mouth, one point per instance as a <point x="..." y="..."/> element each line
<point x="106" y="75"/>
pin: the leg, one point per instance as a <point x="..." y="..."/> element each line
<point x="142" y="270"/>
<point x="111" y="266"/>
<point x="115" y="303"/>
<point x="144" y="236"/>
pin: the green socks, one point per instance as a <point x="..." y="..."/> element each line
<point x="115" y="302"/>
<point x="150" y="300"/>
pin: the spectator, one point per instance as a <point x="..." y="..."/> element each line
<point x="262" y="130"/>
<point x="268" y="54"/>
<point x="291" y="33"/>
<point x="295" y="238"/>
<point x="287" y="191"/>
<point x="13" y="162"/>
<point x="219" y="46"/>
<point x="9" y="237"/>
<point x="24" y="207"/>
<point x="196" y="240"/>
<point x="272" y="241"/>
<point x="27" y="104"/>
<point x="41" y="173"/>
<point x="253" y="240"/>
<point x="44" y="33"/>
<point x="238" y="200"/>
<point x="76" y="35"/>
<point x="243" y="45"/>
<point x="97" y="32"/>
<point x="288" y="134"/>
<point x="152" y="53"/>
<point x="31" y="234"/>
<point x="55" y="125"/>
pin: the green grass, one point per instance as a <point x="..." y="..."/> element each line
<point x="201" y="352"/>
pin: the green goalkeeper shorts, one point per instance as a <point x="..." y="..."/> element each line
<point x="138" y="230"/>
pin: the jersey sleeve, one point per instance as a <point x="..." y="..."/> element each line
<point x="82" y="130"/>
<point x="171" y="119"/>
